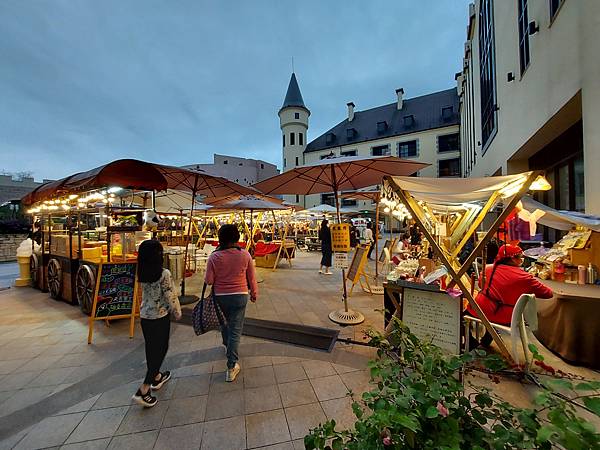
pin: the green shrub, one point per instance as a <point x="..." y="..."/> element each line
<point x="419" y="401"/>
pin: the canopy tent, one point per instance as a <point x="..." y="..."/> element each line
<point x="474" y="199"/>
<point x="559" y="219"/>
<point x="138" y="175"/>
<point x="334" y="175"/>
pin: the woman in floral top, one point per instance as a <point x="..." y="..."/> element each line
<point x="158" y="299"/>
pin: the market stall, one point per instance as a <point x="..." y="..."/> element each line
<point x="94" y="217"/>
<point x="568" y="322"/>
<point x="449" y="212"/>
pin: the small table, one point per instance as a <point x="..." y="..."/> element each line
<point x="569" y="323"/>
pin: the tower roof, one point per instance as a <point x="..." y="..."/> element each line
<point x="293" y="97"/>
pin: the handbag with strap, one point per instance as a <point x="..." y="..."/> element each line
<point x="207" y="315"/>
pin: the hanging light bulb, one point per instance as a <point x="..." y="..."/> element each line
<point x="386" y="209"/>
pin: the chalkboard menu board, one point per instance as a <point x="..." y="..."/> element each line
<point x="115" y="294"/>
<point x="115" y="290"/>
<point x="360" y="256"/>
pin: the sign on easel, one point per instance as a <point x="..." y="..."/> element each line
<point x="356" y="271"/>
<point x="115" y="295"/>
<point x="433" y="315"/>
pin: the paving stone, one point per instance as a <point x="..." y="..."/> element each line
<point x="184" y="411"/>
<point x="184" y="437"/>
<point x="9" y="442"/>
<point x="330" y="387"/>
<point x="340" y="410"/>
<point x="302" y="418"/>
<point x="266" y="428"/>
<point x="139" y="418"/>
<point x="98" y="424"/>
<point x="83" y="406"/>
<point x="119" y="396"/>
<point x="299" y="444"/>
<point x="224" y="434"/>
<point x="284" y="373"/>
<point x="16" y="381"/>
<point x="218" y="383"/>
<point x="98" y="444"/>
<point x="196" y="369"/>
<point x="260" y="399"/>
<point x="38" y="363"/>
<point x="50" y="432"/>
<point x="358" y="382"/>
<point x="282" y="446"/>
<point x="316" y="369"/>
<point x="259" y="376"/>
<point x="52" y="377"/>
<point x="224" y="404"/>
<point x="192" y="386"/>
<point x="297" y="393"/>
<point x="9" y="366"/>
<point x="340" y="369"/>
<point x="23" y="398"/>
<point x="251" y="362"/>
<point x="137" y="441"/>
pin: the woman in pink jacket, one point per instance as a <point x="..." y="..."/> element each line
<point x="230" y="271"/>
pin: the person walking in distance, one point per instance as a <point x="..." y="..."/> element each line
<point x="230" y="271"/>
<point x="369" y="238"/>
<point x="326" y="251"/>
<point x="158" y="300"/>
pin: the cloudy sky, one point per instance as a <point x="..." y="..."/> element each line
<point x="84" y="82"/>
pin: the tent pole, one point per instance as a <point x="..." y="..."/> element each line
<point x="377" y="240"/>
<point x="185" y="255"/>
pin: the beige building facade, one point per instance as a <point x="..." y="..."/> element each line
<point x="530" y="95"/>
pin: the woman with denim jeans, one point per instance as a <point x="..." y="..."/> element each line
<point x="230" y="271"/>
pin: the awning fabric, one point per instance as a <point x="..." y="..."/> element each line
<point x="560" y="220"/>
<point x="454" y="191"/>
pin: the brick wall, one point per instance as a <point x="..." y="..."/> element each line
<point x="8" y="246"/>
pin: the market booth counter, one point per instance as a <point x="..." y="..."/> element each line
<point x="268" y="254"/>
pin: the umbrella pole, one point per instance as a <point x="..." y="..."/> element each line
<point x="376" y="241"/>
<point x="345" y="316"/>
<point x="186" y="299"/>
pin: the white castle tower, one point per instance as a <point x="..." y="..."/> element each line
<point x="293" y="121"/>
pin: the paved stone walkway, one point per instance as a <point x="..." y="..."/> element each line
<point x="58" y="392"/>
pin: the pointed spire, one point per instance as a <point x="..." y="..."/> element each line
<point x="293" y="97"/>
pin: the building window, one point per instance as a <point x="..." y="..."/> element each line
<point x="262" y="166"/>
<point x="554" y="7"/>
<point x="240" y="164"/>
<point x="381" y="127"/>
<point x="350" y="133"/>
<point x="328" y="155"/>
<point x="329" y="138"/>
<point x="284" y="140"/>
<point x="284" y="162"/>
<point x="348" y="153"/>
<point x="408" y="149"/>
<point x="348" y="202"/>
<point x="524" y="56"/>
<point x="380" y="150"/>
<point x="447" y="113"/>
<point x="449" y="167"/>
<point x="328" y="199"/>
<point x="296" y="160"/>
<point x="409" y="121"/>
<point x="448" y="143"/>
<point x="487" y="75"/>
<point x="297" y="198"/>
<point x="296" y="115"/>
<point x="225" y="161"/>
<point x="300" y="138"/>
<point x="292" y="138"/>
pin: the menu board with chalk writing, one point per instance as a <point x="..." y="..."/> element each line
<point x="433" y="315"/>
<point x="116" y="290"/>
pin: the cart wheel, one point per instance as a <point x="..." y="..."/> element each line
<point x="54" y="278"/>
<point x="85" y="285"/>
<point x="34" y="265"/>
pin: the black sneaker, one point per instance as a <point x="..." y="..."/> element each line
<point x="164" y="377"/>
<point x="146" y="400"/>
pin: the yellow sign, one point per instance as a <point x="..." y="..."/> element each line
<point x="340" y="237"/>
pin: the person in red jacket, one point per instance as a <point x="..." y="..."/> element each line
<point x="505" y="282"/>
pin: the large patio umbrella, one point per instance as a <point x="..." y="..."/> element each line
<point x="334" y="175"/>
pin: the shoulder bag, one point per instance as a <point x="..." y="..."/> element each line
<point x="207" y="315"/>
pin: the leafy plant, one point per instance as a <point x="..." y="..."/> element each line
<point x="419" y="401"/>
